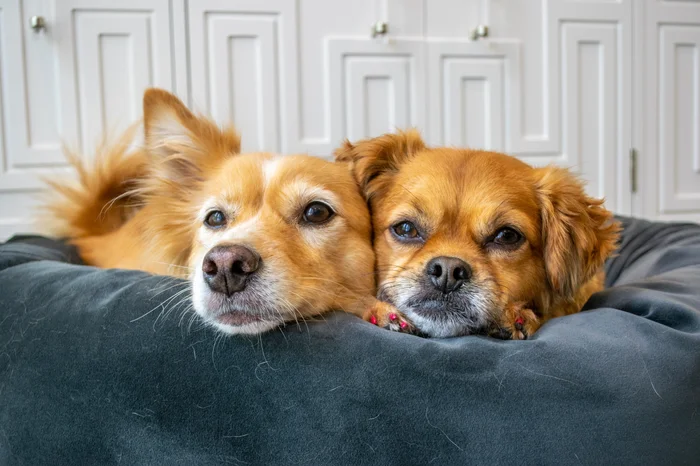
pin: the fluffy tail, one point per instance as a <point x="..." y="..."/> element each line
<point x="102" y="197"/>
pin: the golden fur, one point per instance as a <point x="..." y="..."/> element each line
<point x="145" y="210"/>
<point x="97" y="202"/>
<point x="460" y="201"/>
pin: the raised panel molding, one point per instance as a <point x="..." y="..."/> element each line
<point x="113" y="53"/>
<point x="37" y="103"/>
<point x="108" y="56"/>
<point x="591" y="113"/>
<point x="584" y="118"/>
<point x="670" y="183"/>
<point x="472" y="104"/>
<point x="357" y="71"/>
<point x="474" y="95"/>
<point x="242" y="83"/>
<point x="679" y="119"/>
<point x="475" y="110"/>
<point x="80" y="78"/>
<point x="589" y="76"/>
<point x="555" y="87"/>
<point x="243" y="80"/>
<point x="10" y="58"/>
<point x="243" y="65"/>
<point x="6" y="37"/>
<point x="30" y="138"/>
<point x="377" y="95"/>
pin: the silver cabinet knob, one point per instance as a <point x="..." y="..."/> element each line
<point x="379" y="28"/>
<point x="37" y="23"/>
<point x="481" y="31"/>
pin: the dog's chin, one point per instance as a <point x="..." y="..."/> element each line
<point x="452" y="324"/>
<point x="244" y="313"/>
<point x="251" y="327"/>
<point x="454" y="316"/>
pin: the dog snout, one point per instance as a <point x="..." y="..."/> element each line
<point x="448" y="273"/>
<point x="226" y="268"/>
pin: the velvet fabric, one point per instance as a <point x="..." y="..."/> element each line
<point x="109" y="367"/>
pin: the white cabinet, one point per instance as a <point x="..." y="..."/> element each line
<point x="243" y="68"/>
<point x="670" y="125"/>
<point x="374" y="86"/>
<point x="30" y="112"/>
<point x="551" y="83"/>
<point x="107" y="56"/>
<point x="574" y="82"/>
<point x="76" y="79"/>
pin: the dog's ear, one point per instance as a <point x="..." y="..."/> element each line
<point x="579" y="234"/>
<point x="186" y="144"/>
<point x="371" y="159"/>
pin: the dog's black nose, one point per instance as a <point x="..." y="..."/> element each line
<point x="226" y="267"/>
<point x="448" y="273"/>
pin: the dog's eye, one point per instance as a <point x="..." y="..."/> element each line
<point x="317" y="212"/>
<point x="507" y="237"/>
<point x="215" y="219"/>
<point x="405" y="230"/>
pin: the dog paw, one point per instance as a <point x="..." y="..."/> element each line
<point x="519" y="323"/>
<point x="387" y="316"/>
<point x="522" y="322"/>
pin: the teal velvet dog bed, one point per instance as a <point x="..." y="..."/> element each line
<point x="93" y="372"/>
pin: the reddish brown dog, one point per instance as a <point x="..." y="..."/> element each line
<point x="476" y="242"/>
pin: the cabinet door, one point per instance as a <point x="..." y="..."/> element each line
<point x="375" y="86"/>
<point x="551" y="83"/>
<point x="30" y="116"/>
<point x="301" y="76"/>
<point x="76" y="80"/>
<point x="243" y="56"/>
<point x="378" y="83"/>
<point x="670" y="154"/>
<point x="108" y="54"/>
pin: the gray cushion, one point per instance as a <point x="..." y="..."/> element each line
<point x="108" y="367"/>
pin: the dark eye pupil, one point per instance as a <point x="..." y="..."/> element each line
<point x="406" y="230"/>
<point x="507" y="236"/>
<point x="317" y="212"/>
<point x="215" y="219"/>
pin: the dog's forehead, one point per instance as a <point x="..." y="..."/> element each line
<point x="253" y="179"/>
<point x="239" y="179"/>
<point x="465" y="184"/>
<point x="293" y="176"/>
<point x="457" y="173"/>
<point x="288" y="168"/>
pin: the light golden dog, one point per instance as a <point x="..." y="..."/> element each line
<point x="264" y="239"/>
<point x="476" y="242"/>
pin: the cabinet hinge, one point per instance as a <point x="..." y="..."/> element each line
<point x="633" y="170"/>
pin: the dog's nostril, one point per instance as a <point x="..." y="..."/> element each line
<point x="437" y="270"/>
<point x="209" y="267"/>
<point x="238" y="268"/>
<point x="460" y="273"/>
